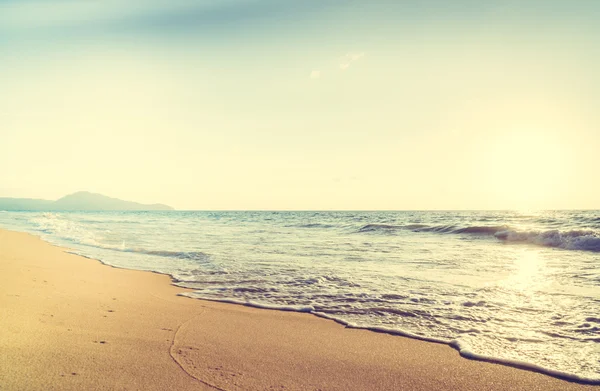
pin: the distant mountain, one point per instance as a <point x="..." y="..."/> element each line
<point x="81" y="200"/>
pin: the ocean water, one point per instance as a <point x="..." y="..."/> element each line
<point x="513" y="287"/>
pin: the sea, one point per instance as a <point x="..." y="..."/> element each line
<point x="513" y="287"/>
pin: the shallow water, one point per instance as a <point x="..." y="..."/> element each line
<point x="515" y="287"/>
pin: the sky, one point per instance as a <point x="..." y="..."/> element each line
<point x="303" y="104"/>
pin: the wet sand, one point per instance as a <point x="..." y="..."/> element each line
<point x="71" y="323"/>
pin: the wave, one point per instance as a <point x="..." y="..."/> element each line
<point x="581" y="240"/>
<point x="315" y="225"/>
<point x="379" y="227"/>
<point x="248" y="303"/>
<point x="476" y="230"/>
<point x="435" y="228"/>
<point x="567" y="240"/>
<point x="587" y="219"/>
<point x="484" y="230"/>
<point x="465" y="351"/>
<point x="76" y="231"/>
<point x="196" y="255"/>
<point x="192" y="255"/>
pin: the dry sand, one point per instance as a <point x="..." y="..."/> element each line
<point x="71" y="323"/>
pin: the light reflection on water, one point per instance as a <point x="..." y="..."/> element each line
<point x="529" y="272"/>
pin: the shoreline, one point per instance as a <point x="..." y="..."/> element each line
<point x="464" y="353"/>
<point x="222" y="346"/>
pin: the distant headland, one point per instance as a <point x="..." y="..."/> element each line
<point x="80" y="201"/>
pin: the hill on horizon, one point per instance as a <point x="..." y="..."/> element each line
<point x="79" y="201"/>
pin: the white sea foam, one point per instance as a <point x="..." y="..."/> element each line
<point x="293" y="308"/>
<point x="467" y="353"/>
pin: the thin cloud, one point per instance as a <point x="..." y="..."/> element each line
<point x="315" y="74"/>
<point x="349" y="58"/>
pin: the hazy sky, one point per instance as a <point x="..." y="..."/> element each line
<point x="303" y="104"/>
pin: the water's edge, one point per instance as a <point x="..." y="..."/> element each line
<point x="462" y="350"/>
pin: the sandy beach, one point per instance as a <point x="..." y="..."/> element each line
<point x="71" y="323"/>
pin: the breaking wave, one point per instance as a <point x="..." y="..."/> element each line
<point x="475" y="230"/>
<point x="380" y="227"/>
<point x="568" y="240"/>
<point x="581" y="240"/>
